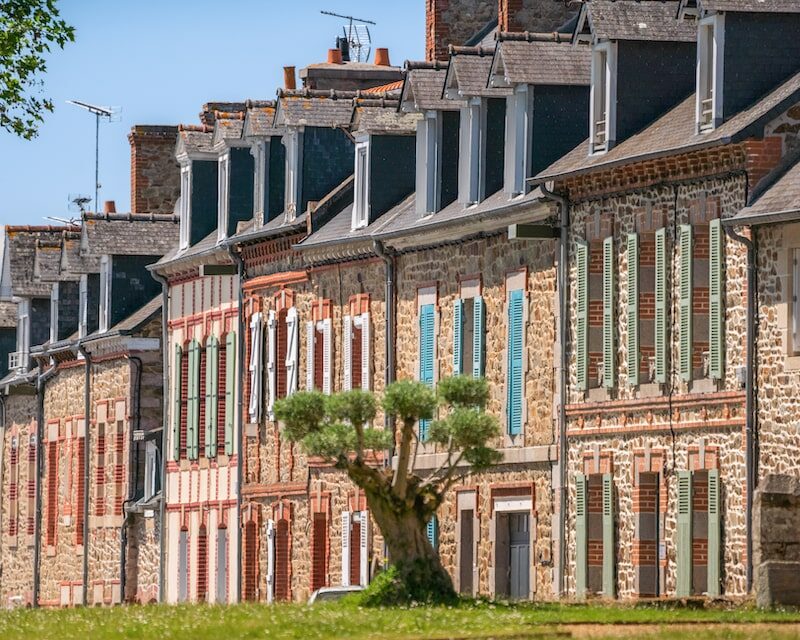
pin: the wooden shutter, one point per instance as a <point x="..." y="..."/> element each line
<point x="346" y="548"/>
<point x="582" y="315"/>
<point x="327" y="356"/>
<point x="176" y="403"/>
<point x="686" y="302"/>
<point x="581" y="536"/>
<point x="212" y="396"/>
<point x="255" y="368"/>
<point x="311" y="334"/>
<point x="609" y="547"/>
<point x="347" y="352"/>
<point x="660" y="338"/>
<point x="458" y="336"/>
<point x="366" y="352"/>
<point x="515" y="370"/>
<point x="609" y="337"/>
<point x="432" y="530"/>
<point x="363" y="548"/>
<point x="683" y="587"/>
<point x="714" y="533"/>
<point x="272" y="362"/>
<point x="716" y="311"/>
<point x="477" y="337"/>
<point x="193" y="405"/>
<point x="633" y="309"/>
<point x="426" y="347"/>
<point x="292" y="346"/>
<point x="230" y="385"/>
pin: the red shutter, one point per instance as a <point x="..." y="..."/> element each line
<point x="282" y="560"/>
<point x="222" y="380"/>
<point x="202" y="564"/>
<point x="250" y="563"/>
<point x="31" y="486"/>
<point x="319" y="552"/>
<point x="100" y="472"/>
<point x="80" y="493"/>
<point x="319" y="359"/>
<point x="13" y="490"/>
<point x="280" y="356"/>
<point x="355" y="358"/>
<point x="201" y="392"/>
<point x="355" y="553"/>
<point x="52" y="492"/>
<point x="119" y="469"/>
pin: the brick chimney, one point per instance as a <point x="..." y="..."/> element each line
<point x="539" y="16"/>
<point x="155" y="175"/>
<point x="454" y="22"/>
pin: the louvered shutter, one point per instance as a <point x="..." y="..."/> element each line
<point x="686" y="302"/>
<point x="514" y="399"/>
<point x="272" y="364"/>
<point x="426" y="327"/>
<point x="581" y="536"/>
<point x="432" y="531"/>
<point x="176" y="403"/>
<point x="366" y="353"/>
<point x="230" y="384"/>
<point x="714" y="533"/>
<point x="270" y="561"/>
<point x="256" y="351"/>
<point x="683" y="587"/>
<point x="193" y="429"/>
<point x="363" y="549"/>
<point x="660" y="338"/>
<point x="582" y="315"/>
<point x="310" y="340"/>
<point x="477" y="337"/>
<point x="327" y="357"/>
<point x="347" y="352"/>
<point x="291" y="350"/>
<point x="212" y="396"/>
<point x="346" y="548"/>
<point x="633" y="309"/>
<point x="609" y="337"/>
<point x="609" y="549"/>
<point x="458" y="333"/>
<point x="716" y="314"/>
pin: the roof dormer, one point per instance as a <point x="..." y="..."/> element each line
<point x="234" y="173"/>
<point x="269" y="160"/>
<point x="199" y="199"/>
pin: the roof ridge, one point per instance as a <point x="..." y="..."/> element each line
<point x="436" y="65"/>
<point x="477" y="50"/>
<point x="259" y="104"/>
<point x="333" y="94"/>
<point x="196" y="128"/>
<point x="228" y="115"/>
<point x="42" y="227"/>
<point x="529" y="36"/>
<point x="132" y="217"/>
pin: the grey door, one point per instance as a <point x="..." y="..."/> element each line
<point x="520" y="553"/>
<point x="466" y="559"/>
<point x="183" y="566"/>
<point x="222" y="565"/>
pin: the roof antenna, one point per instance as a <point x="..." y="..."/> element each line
<point x="356" y="35"/>
<point x="78" y="202"/>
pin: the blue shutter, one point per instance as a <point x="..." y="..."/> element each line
<point x="426" y="324"/>
<point x="477" y="337"/>
<point x="433" y="532"/>
<point x="458" y="336"/>
<point x="514" y="375"/>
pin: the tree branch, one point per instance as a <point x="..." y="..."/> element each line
<point x="400" y="482"/>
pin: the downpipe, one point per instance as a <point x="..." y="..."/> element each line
<point x="388" y="258"/>
<point x="87" y="421"/>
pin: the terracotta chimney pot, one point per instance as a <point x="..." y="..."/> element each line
<point x="382" y="57"/>
<point x="334" y="56"/>
<point x="109" y="206"/>
<point x="289" y="78"/>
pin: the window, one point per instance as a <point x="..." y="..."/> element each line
<point x="52" y="492"/>
<point x="227" y="363"/>
<point x="518" y="141"/>
<point x="293" y="142"/>
<point x="432" y="532"/>
<point x="355" y="548"/>
<point x="602" y="109"/>
<point x="223" y="191"/>
<point x="468" y="336"/>
<point x="193" y="402"/>
<point x="83" y="306"/>
<point x="594" y="530"/>
<point x="362" y="204"/>
<point x="259" y="153"/>
<point x="283" y="354"/>
<point x="105" y="292"/>
<point x="427" y="355"/>
<point x="212" y="396"/>
<point x="319" y="551"/>
<point x="152" y="470"/>
<point x="470" y="153"/>
<point x="515" y="384"/>
<point x="185" y="205"/>
<point x="19" y="360"/>
<point x="710" y="38"/>
<point x="319" y="355"/>
<point x="357" y="356"/>
<point x="428" y="189"/>
<point x="698" y="550"/>
<point x="54" y="313"/>
<point x="255" y="367"/>
<point x="13" y="489"/>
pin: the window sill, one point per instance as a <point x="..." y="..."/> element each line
<point x="598" y="394"/>
<point x="792" y="363"/>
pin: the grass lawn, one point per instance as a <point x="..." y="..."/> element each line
<point x="340" y="620"/>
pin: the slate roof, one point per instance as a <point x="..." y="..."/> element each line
<point x="228" y="126"/>
<point x="675" y="132"/>
<point x="381" y="116"/>
<point x="21" y="249"/>
<point x="195" y="138"/>
<point x="314" y="108"/>
<point x="756" y="6"/>
<point x="468" y="72"/>
<point x="544" y="62"/>
<point x="423" y="86"/>
<point x="47" y="260"/>
<point x="636" y="20"/>
<point x="124" y="234"/>
<point x="779" y="203"/>
<point x="73" y="261"/>
<point x="259" y="121"/>
<point x="132" y="323"/>
<point x="207" y="246"/>
<point x="8" y="314"/>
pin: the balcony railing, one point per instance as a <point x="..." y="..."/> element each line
<point x="600" y="134"/>
<point x="707" y="112"/>
<point x="17" y="360"/>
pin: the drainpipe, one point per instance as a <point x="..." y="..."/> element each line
<point x="563" y="327"/>
<point x="751" y="442"/>
<point x="41" y="379"/>
<point x="133" y="466"/>
<point x="389" y="259"/>
<point x="87" y="415"/>
<point x="162" y="507"/>
<point x="2" y="453"/>
<point x="237" y="260"/>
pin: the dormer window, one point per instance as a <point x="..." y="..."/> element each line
<point x="518" y="141"/>
<point x="471" y="141"/>
<point x="105" y="292"/>
<point x="54" y="313"/>
<point x="83" y="306"/>
<point x="361" y="206"/>
<point x="293" y="143"/>
<point x="223" y="192"/>
<point x="709" y="72"/>
<point x="259" y="153"/>
<point x="437" y="161"/>
<point x="185" y="205"/>
<point x="603" y="97"/>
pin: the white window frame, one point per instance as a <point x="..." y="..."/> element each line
<point x="428" y="187"/>
<point x="83" y="306"/>
<point x="223" y="195"/>
<point x="23" y="332"/>
<point x="151" y="470"/>
<point x="185" y="207"/>
<point x="361" y="206"/>
<point x="361" y="321"/>
<point x="259" y="152"/>
<point x="105" y="293"/>
<point x="710" y="47"/>
<point x="255" y="367"/>
<point x="54" y="313"/>
<point x="604" y="70"/>
<point x="518" y="140"/>
<point x="795" y="266"/>
<point x="471" y="145"/>
<point x="293" y="141"/>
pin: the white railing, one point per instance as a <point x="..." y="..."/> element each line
<point x="17" y="360"/>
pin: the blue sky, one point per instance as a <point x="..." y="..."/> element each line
<point x="160" y="61"/>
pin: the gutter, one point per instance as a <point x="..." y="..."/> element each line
<point x="389" y="260"/>
<point x="41" y="379"/>
<point x="87" y="413"/>
<point x="563" y="328"/>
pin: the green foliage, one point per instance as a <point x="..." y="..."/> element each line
<point x="414" y="583"/>
<point x="28" y="30"/>
<point x="357" y="407"/>
<point x="410" y="401"/>
<point x="301" y="413"/>
<point x="464" y="391"/>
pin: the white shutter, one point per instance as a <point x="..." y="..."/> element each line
<point x="256" y="347"/>
<point x="327" y="356"/>
<point x="310" y="330"/>
<point x="270" y="560"/>
<point x="366" y="352"/>
<point x="364" y="548"/>
<point x="291" y="351"/>
<point x="347" y="356"/>
<point x="346" y="548"/>
<point x="271" y="364"/>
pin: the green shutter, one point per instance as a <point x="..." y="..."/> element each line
<point x="176" y="404"/>
<point x="432" y="531"/>
<point x="581" y="536"/>
<point x="582" y="313"/>
<point x="212" y="395"/>
<point x="683" y="587"/>
<point x="609" y="548"/>
<point x="458" y="336"/>
<point x="230" y="385"/>
<point x="477" y="337"/>
<point x="609" y="347"/>
<point x="426" y="341"/>
<point x="193" y="405"/>
<point x="714" y="533"/>
<point x="661" y="306"/>
<point x="633" y="309"/>
<point x="515" y="366"/>
<point x="716" y="315"/>
<point x="686" y="302"/>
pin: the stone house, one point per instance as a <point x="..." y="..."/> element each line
<point x="662" y="449"/>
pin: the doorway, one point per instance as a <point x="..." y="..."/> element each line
<point x="512" y="555"/>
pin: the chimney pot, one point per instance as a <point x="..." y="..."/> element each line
<point x="109" y="206"/>
<point x="289" y="79"/>
<point x="382" y="57"/>
<point x="334" y="56"/>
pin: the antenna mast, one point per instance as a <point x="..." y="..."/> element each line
<point x="357" y="35"/>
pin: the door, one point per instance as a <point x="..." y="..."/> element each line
<point x="519" y="540"/>
<point x="466" y="556"/>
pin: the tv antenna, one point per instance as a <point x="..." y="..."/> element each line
<point x="68" y="221"/>
<point x="356" y="34"/>
<point x="78" y="202"/>
<point x="110" y="115"/>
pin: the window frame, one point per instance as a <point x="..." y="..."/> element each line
<point x="795" y="265"/>
<point x="293" y="141"/>
<point x="519" y="141"/>
<point x="54" y="312"/>
<point x="185" y="206"/>
<point x="259" y="152"/>
<point x="361" y="204"/>
<point x="709" y="85"/>
<point x="428" y="170"/>
<point x="603" y="70"/>
<point x="471" y="143"/>
<point x="223" y="194"/>
<point x="105" y="293"/>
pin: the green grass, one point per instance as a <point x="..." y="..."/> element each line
<point x="340" y="620"/>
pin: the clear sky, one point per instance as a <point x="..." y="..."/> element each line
<point x="160" y="60"/>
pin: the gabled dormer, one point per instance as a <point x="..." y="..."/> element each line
<point x="437" y="137"/>
<point x="125" y="286"/>
<point x="64" y="309"/>
<point x="642" y="64"/>
<point x="744" y="50"/>
<point x="199" y="199"/>
<point x="234" y="174"/>
<point x="269" y="161"/>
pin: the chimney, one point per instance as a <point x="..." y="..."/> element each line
<point x="109" y="206"/>
<point x="288" y="78"/>
<point x="536" y="16"/>
<point x="155" y="176"/>
<point x="382" y="57"/>
<point x="334" y="56"/>
<point x="454" y="22"/>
